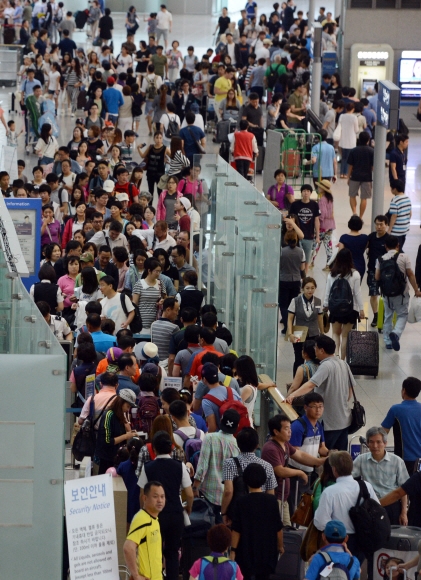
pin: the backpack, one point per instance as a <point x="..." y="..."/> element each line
<point x="240" y="489"/>
<point x="192" y="446"/>
<point x="136" y="324"/>
<point x="215" y="561"/>
<point x="341" y="301"/>
<point x="148" y="410"/>
<point x="151" y="91"/>
<point x="392" y="279"/>
<point x="273" y="76"/>
<point x="173" y="128"/>
<point x="230" y="403"/>
<point x="371" y="522"/>
<point x="337" y="571"/>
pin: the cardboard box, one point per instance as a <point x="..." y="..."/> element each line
<point x="120" y="508"/>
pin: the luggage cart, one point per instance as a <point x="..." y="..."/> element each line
<point x="357" y="449"/>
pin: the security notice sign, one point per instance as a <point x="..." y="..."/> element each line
<point x="91" y="530"/>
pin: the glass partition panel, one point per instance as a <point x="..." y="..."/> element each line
<point x="32" y="384"/>
<point x="242" y="233"/>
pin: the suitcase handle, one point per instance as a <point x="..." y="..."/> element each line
<point x="366" y="323"/>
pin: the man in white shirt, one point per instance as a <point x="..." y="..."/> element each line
<point x="112" y="238"/>
<point x="158" y="237"/>
<point x="336" y="500"/>
<point x="179" y="414"/>
<point x="230" y="48"/>
<point x="112" y="304"/>
<point x="58" y="325"/>
<point x="163" y="25"/>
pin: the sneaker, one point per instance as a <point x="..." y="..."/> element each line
<point x="389" y="346"/>
<point x="374" y="322"/>
<point x="394" y="339"/>
<point x="284" y="331"/>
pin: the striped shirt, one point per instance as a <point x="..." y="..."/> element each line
<point x="401" y="207"/>
<point x="148" y="298"/>
<point x="230" y="470"/>
<point x="178" y="163"/>
<point x="384" y="475"/>
<point x="161" y="333"/>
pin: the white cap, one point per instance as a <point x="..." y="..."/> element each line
<point x="186" y="203"/>
<point x="109" y="186"/>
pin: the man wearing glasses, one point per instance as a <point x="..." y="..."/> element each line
<point x="307" y="435"/>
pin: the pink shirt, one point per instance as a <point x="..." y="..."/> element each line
<point x="327" y="221"/>
<point x="186" y="186"/>
<point x="67" y="286"/>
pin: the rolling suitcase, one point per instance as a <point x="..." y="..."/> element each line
<point x="403" y="543"/>
<point x="380" y="316"/>
<point x="224" y="151"/>
<point x="81" y="17"/>
<point x="362" y="352"/>
<point x="291" y="162"/>
<point x="222" y="131"/>
<point x="194" y="541"/>
<point x="290" y="566"/>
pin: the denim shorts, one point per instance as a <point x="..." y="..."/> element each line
<point x="307" y="246"/>
<point x="373" y="285"/>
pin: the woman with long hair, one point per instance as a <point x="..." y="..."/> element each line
<point x="127" y="470"/>
<point x="161" y="423"/>
<point x="73" y="84"/>
<point x="165" y="208"/>
<point x="76" y="140"/>
<point x="289" y="224"/>
<point x="76" y="196"/>
<point x="327" y="221"/>
<point x="230" y="107"/>
<point x="148" y="292"/>
<point x="47" y="145"/>
<point x="89" y="289"/>
<point x="137" y="177"/>
<point x="178" y="161"/>
<point x="115" y="157"/>
<point x="75" y="223"/>
<point x="325" y="480"/>
<point x="95" y="145"/>
<point x="170" y="276"/>
<point x="155" y="156"/>
<point x="114" y="429"/>
<point x="142" y="59"/>
<point x="97" y="99"/>
<point x="305" y="310"/>
<point x="159" y="106"/>
<point x="307" y="369"/>
<point x="82" y="158"/>
<point x="244" y="370"/>
<point x="343" y="269"/>
<point x="135" y="271"/>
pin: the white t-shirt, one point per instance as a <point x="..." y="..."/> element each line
<point x="262" y="52"/>
<point x="69" y="179"/>
<point x="163" y="20"/>
<point x="190" y="432"/>
<point x="111" y="308"/>
<point x="53" y="80"/>
<point x="124" y="62"/>
<point x="165" y="119"/>
<point x="198" y="122"/>
<point x="151" y="77"/>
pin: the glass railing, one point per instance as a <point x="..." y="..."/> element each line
<point x="243" y="242"/>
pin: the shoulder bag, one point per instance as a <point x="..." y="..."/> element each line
<point x="357" y="411"/>
<point x="85" y="440"/>
<point x="197" y="141"/>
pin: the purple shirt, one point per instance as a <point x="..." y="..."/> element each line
<point x="278" y="195"/>
<point x="225" y="570"/>
<point x="54" y="228"/>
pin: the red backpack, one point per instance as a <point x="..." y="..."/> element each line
<point x="148" y="410"/>
<point x="230" y="403"/>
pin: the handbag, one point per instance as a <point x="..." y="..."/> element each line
<point x="312" y="542"/>
<point x="337" y="133"/>
<point x="357" y="413"/>
<point x="85" y="440"/>
<point x="326" y="323"/>
<point x="198" y="143"/>
<point x="163" y="180"/>
<point x="303" y="515"/>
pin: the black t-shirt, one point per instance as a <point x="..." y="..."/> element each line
<point x="172" y="274"/>
<point x="257" y="520"/>
<point x="376" y="249"/>
<point x="253" y="115"/>
<point x="274" y="27"/>
<point x="362" y="159"/>
<point x="142" y="66"/>
<point x="223" y="22"/>
<point x="306" y="213"/>
<point x="92" y="147"/>
<point x="412" y="488"/>
<point x="106" y="25"/>
<point x="396" y="156"/>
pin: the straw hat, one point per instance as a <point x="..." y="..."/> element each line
<point x="325" y="185"/>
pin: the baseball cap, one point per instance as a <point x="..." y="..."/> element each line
<point x="335" y="530"/>
<point x="151" y="368"/>
<point x="128" y="396"/>
<point x="194" y="108"/>
<point x="122" y="196"/>
<point x="110" y="81"/>
<point x="210" y="373"/>
<point x="186" y="203"/>
<point x="87" y="257"/>
<point x="109" y="186"/>
<point x="229" y="420"/>
<point x="113" y="353"/>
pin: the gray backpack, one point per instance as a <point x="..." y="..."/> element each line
<point x="338" y="571"/>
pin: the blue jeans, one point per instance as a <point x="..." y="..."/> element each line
<point x="344" y="161"/>
<point x="398" y="304"/>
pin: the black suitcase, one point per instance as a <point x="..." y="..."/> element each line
<point x="224" y="151"/>
<point x="362" y="352"/>
<point x="81" y="18"/>
<point x="8" y="34"/>
<point x="403" y="543"/>
<point x="192" y="549"/>
<point x="222" y="131"/>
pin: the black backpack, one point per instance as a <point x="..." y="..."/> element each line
<point x="240" y="488"/>
<point x="136" y="324"/>
<point x="273" y="76"/>
<point x="341" y="301"/>
<point x="392" y="279"/>
<point x="371" y="522"/>
<point x="173" y="128"/>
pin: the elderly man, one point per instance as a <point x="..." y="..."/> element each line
<point x="385" y="471"/>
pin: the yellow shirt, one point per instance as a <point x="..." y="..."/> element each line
<point x="224" y="85"/>
<point x="145" y="532"/>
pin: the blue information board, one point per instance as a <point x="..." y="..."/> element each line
<point x="26" y="217"/>
<point x="329" y="63"/>
<point x="388" y="105"/>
